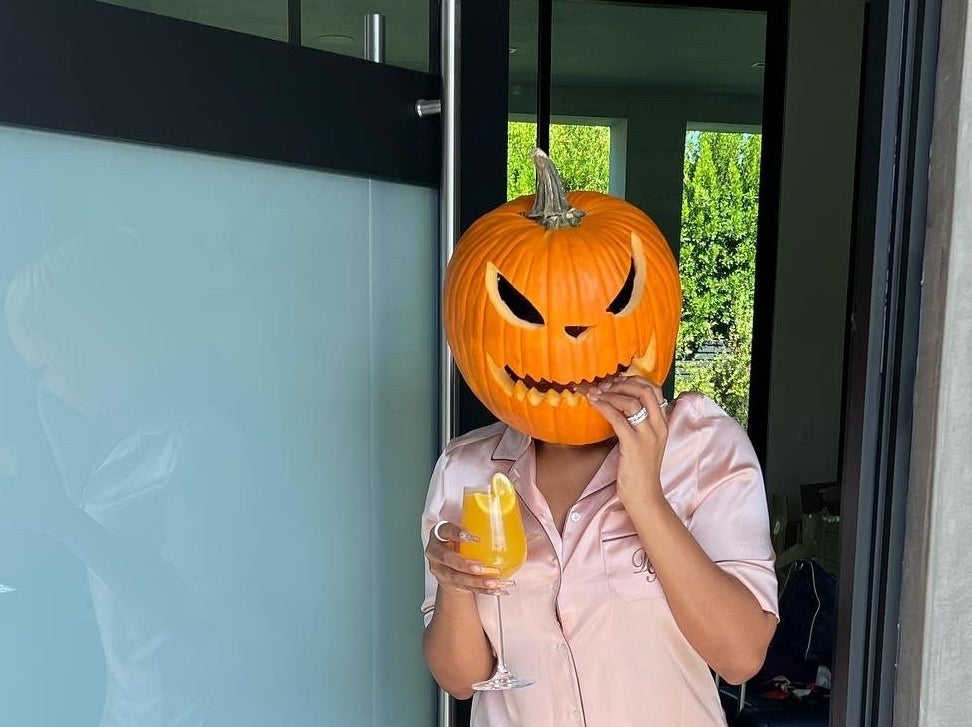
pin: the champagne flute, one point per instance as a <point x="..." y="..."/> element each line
<point x="492" y="513"/>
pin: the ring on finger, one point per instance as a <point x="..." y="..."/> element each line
<point x="435" y="531"/>
<point x="638" y="417"/>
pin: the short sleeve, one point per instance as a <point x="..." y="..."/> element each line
<point x="438" y="506"/>
<point x="731" y="518"/>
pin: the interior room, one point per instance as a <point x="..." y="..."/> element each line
<point x="224" y="382"/>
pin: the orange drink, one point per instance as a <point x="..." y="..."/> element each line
<point x="493" y="515"/>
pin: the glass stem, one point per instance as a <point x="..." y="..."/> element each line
<point x="501" y="669"/>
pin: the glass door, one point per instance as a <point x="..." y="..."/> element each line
<point x="219" y="373"/>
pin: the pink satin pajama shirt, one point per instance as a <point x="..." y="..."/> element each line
<point x="587" y="618"/>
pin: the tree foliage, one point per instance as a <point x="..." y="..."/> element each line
<point x="720" y="204"/>
<point x="582" y="155"/>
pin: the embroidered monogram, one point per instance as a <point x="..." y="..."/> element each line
<point x="642" y="564"/>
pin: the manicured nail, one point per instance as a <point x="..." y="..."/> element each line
<point x="468" y="537"/>
<point x="500" y="584"/>
<point x="606" y="384"/>
<point x="485" y="570"/>
<point x="593" y="394"/>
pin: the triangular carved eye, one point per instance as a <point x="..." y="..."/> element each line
<point x="510" y="302"/>
<point x="624" y="297"/>
<point x="517" y="302"/>
<point x="633" y="290"/>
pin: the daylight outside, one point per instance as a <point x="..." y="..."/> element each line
<point x="717" y="242"/>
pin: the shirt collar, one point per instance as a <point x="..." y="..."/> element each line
<point x="511" y="445"/>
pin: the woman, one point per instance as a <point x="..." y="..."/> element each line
<point x="650" y="564"/>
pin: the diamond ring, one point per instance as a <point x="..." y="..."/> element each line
<point x="638" y="417"/>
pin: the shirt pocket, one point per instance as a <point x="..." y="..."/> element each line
<point x="629" y="571"/>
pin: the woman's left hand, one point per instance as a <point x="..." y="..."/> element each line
<point x="641" y="445"/>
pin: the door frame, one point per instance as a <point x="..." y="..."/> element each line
<point x="881" y="349"/>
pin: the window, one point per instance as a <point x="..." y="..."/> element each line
<point x="581" y="151"/>
<point x="717" y="252"/>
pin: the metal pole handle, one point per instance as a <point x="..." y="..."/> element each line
<point x="449" y="200"/>
<point x="448" y="232"/>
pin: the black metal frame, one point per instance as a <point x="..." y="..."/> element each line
<point x="90" y="68"/>
<point x="544" y="72"/>
<point x="881" y="349"/>
<point x="768" y="223"/>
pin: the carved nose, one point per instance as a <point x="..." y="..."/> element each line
<point x="575" y="331"/>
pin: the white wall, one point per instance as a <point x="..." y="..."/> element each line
<point x="816" y="203"/>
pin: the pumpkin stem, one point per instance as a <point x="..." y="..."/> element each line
<point x="550" y="206"/>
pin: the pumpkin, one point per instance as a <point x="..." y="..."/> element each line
<point x="552" y="292"/>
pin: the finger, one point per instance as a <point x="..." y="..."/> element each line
<point x="626" y="404"/>
<point x="441" y="555"/>
<point x="651" y="397"/>
<point x="472" y="584"/>
<point x="636" y="387"/>
<point x="450" y="532"/>
<point x="646" y="394"/>
<point x="614" y="417"/>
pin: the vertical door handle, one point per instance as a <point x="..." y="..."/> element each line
<point x="448" y="206"/>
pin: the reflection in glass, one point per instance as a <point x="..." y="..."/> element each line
<point x="523" y="59"/>
<point x="216" y="379"/>
<point x="265" y="18"/>
<point x="335" y="26"/>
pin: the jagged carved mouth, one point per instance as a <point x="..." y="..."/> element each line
<point x="543" y="386"/>
<point x="541" y="390"/>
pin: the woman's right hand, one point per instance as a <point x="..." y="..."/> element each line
<point x="456" y="574"/>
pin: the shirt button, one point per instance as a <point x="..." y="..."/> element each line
<point x="575" y="715"/>
<point x="574" y="516"/>
<point x="562" y="649"/>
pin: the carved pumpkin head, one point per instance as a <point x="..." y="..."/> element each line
<point x="541" y="300"/>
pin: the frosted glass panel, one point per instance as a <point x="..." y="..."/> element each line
<point x="217" y="386"/>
